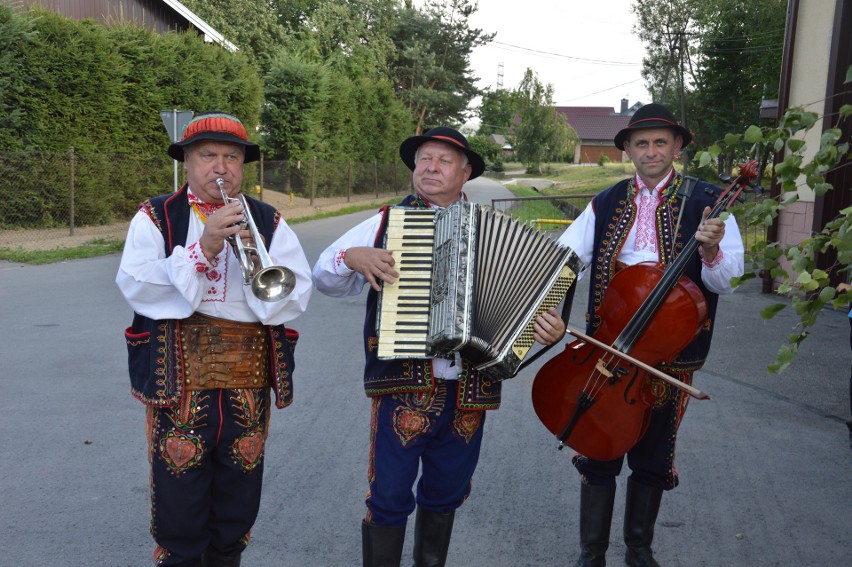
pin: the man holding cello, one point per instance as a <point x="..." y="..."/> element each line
<point x="650" y="217"/>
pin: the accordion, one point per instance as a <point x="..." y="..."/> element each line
<point x="472" y="281"/>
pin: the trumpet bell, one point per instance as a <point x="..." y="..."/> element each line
<point x="273" y="283"/>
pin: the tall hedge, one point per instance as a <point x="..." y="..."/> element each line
<point x="68" y="83"/>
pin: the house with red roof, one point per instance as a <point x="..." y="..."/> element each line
<point x="596" y="126"/>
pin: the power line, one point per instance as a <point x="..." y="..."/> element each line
<point x="562" y="56"/>
<point x="603" y="91"/>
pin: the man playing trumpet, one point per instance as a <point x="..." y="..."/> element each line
<point x="204" y="350"/>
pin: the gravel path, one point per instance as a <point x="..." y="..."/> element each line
<point x="49" y="239"/>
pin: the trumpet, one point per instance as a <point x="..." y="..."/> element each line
<point x="268" y="282"/>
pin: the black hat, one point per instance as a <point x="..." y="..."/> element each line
<point x="219" y="127"/>
<point x="442" y="134"/>
<point x="652" y="116"/>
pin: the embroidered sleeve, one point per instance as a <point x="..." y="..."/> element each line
<point x="331" y="276"/>
<point x="716" y="261"/>
<point x="199" y="258"/>
<point x="340" y="267"/>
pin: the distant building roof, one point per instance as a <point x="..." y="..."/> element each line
<point x="210" y="34"/>
<point x="500" y="139"/>
<point x="598" y="123"/>
<point x="159" y="16"/>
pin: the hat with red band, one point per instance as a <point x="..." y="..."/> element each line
<point x="215" y="127"/>
<point x="652" y="116"/>
<point x="442" y="134"/>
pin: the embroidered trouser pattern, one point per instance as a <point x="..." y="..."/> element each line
<point x="651" y="460"/>
<point x="408" y="431"/>
<point x="206" y="472"/>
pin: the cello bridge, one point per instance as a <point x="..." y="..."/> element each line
<point x="601" y="367"/>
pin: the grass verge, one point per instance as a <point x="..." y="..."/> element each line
<point x="344" y="211"/>
<point x="101" y="247"/>
<point x="97" y="247"/>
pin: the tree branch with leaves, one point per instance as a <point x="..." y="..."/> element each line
<point x="794" y="267"/>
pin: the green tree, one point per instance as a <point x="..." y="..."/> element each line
<point x="712" y="61"/>
<point x="739" y="64"/>
<point x="497" y="111"/>
<point x="431" y="72"/>
<point x="252" y="25"/>
<point x="352" y="36"/>
<point x="16" y="33"/>
<point x="667" y="28"/>
<point x="542" y="133"/>
<point x="295" y="97"/>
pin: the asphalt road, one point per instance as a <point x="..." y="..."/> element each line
<point x="764" y="465"/>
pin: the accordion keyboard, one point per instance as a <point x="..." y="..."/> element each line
<point x="404" y="318"/>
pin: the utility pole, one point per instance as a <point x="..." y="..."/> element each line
<point x="681" y="48"/>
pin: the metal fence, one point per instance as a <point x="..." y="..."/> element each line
<point x="552" y="213"/>
<point x="46" y="195"/>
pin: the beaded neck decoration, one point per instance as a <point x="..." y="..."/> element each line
<point x="201" y="208"/>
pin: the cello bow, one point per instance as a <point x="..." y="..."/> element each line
<point x="691" y="390"/>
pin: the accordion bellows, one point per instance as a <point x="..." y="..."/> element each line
<point x="472" y="281"/>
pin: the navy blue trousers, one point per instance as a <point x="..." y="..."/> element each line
<point x="410" y="432"/>
<point x="206" y="472"/>
<point x="651" y="460"/>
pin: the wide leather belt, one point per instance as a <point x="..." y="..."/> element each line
<point x="218" y="353"/>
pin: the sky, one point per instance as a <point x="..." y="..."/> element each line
<point x="585" y="49"/>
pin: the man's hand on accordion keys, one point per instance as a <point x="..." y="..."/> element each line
<point x="549" y="327"/>
<point x="375" y="264"/>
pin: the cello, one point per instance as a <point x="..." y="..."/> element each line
<point x="596" y="395"/>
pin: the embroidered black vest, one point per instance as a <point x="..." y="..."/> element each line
<point x="615" y="213"/>
<point x="476" y="391"/>
<point x="155" y="358"/>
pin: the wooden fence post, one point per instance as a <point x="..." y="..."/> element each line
<point x="313" y="180"/>
<point x="260" y="192"/>
<point x="72" y="167"/>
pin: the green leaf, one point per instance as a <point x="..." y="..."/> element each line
<point x="753" y="134"/>
<point x="821" y="275"/>
<point x="826" y="294"/>
<point x="770" y="311"/>
<point x="715" y="150"/>
<point x="795" y="144"/>
<point x="704" y="158"/>
<point x="831" y="136"/>
<point x="822" y="188"/>
<point x="804" y="278"/>
<point x="782" y="360"/>
<point x="731" y="139"/>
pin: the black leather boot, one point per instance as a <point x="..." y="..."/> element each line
<point x="381" y="546"/>
<point x="214" y="559"/>
<point x="595" y="520"/>
<point x="640" y="515"/>
<point x="432" y="533"/>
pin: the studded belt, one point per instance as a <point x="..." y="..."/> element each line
<point x="218" y="353"/>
